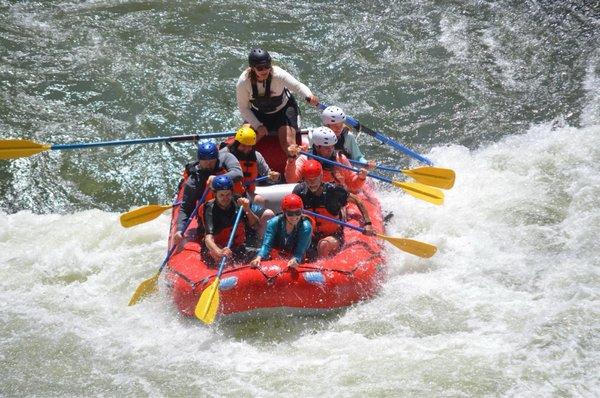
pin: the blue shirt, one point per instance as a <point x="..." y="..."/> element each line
<point x="277" y="237"/>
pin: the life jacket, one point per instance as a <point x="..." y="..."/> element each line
<point x="224" y="223"/>
<point x="193" y="171"/>
<point x="341" y="142"/>
<point x="329" y="203"/>
<point x="249" y="167"/>
<point x="328" y="168"/>
<point x="265" y="103"/>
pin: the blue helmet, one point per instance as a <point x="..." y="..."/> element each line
<point x="207" y="151"/>
<point x="221" y="183"/>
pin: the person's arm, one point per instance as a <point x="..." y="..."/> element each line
<point x="209" y="228"/>
<point x="263" y="166"/>
<point x="293" y="168"/>
<point x="363" y="210"/>
<point x="232" y="165"/>
<point x="251" y="218"/>
<point x="292" y="83"/>
<point x="210" y="244"/>
<point x="268" y="238"/>
<point x="265" y="170"/>
<point x="361" y="206"/>
<point x="191" y="194"/>
<point x="304" y="237"/>
<point x="353" y="181"/>
<point x="243" y="101"/>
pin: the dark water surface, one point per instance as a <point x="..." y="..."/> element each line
<point x="426" y="73"/>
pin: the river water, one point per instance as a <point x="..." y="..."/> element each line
<point x="505" y="93"/>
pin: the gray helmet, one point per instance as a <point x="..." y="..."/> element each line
<point x="258" y="56"/>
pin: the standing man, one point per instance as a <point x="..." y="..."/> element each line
<point x="265" y="101"/>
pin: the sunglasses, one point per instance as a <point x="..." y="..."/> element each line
<point x="261" y="68"/>
<point x="294" y="213"/>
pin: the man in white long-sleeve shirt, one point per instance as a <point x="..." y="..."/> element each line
<point x="265" y="101"/>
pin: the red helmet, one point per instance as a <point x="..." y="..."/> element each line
<point x="291" y="201"/>
<point x="311" y="169"/>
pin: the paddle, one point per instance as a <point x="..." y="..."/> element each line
<point x="143" y="214"/>
<point x="379" y="136"/>
<point x="150" y="285"/>
<point x="411" y="246"/>
<point x="12" y="149"/>
<point x="420" y="191"/>
<point x="433" y="176"/>
<point x="150" y="212"/>
<point x="206" y="309"/>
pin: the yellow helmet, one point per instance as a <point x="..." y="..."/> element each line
<point x="246" y="136"/>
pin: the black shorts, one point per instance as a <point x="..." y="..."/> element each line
<point x="286" y="116"/>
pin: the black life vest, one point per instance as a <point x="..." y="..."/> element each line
<point x="222" y="221"/>
<point x="266" y="103"/>
<point x="329" y="203"/>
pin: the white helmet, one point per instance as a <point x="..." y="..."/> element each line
<point x="333" y="115"/>
<point x="323" y="136"/>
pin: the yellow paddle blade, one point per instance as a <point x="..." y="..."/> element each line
<point x="145" y="288"/>
<point x="12" y="149"/>
<point x="434" y="176"/>
<point x="415" y="247"/>
<point x="424" y="192"/>
<point x="206" y="309"/>
<point x="142" y="215"/>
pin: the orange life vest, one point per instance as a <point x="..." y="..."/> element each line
<point x="249" y="167"/>
<point x="324" y="227"/>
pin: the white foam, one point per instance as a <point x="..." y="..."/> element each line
<point x="505" y="304"/>
<point x="453" y="36"/>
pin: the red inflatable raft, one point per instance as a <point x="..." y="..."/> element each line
<point x="352" y="275"/>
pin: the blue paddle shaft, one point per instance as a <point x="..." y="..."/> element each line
<point x="176" y="138"/>
<point x="334" y="220"/>
<point x="238" y="216"/>
<point x="379" y="136"/>
<point x="343" y="166"/>
<point x="380" y="167"/>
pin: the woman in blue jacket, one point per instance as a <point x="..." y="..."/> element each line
<point x="289" y="232"/>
